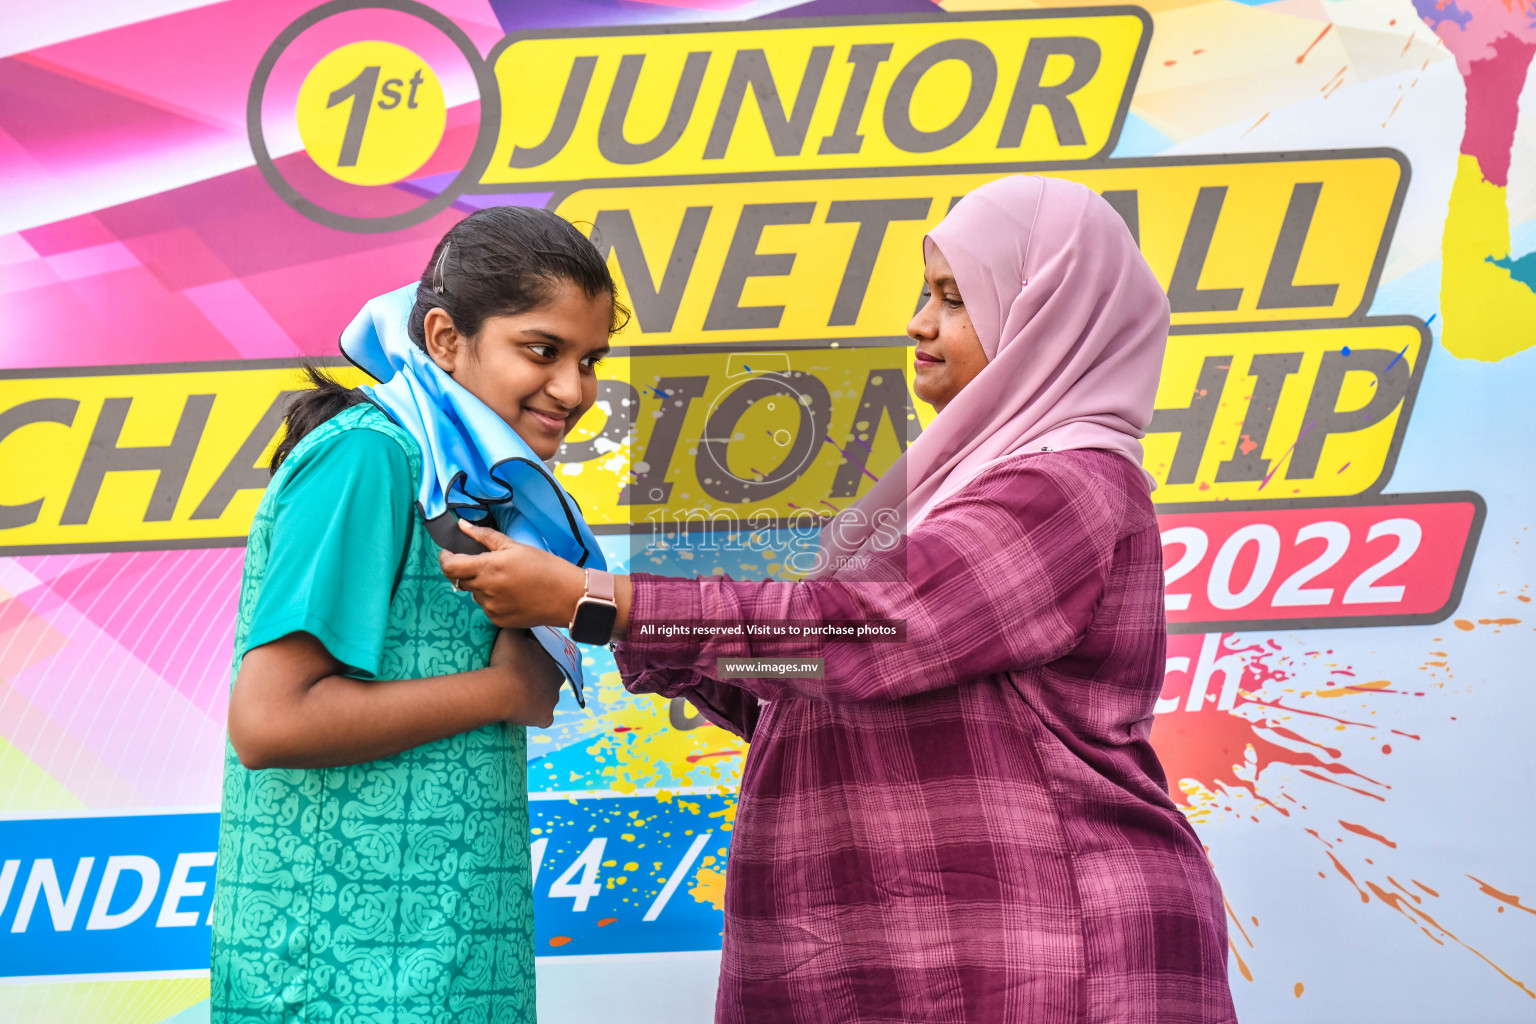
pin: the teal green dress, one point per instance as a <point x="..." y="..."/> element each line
<point x="394" y="892"/>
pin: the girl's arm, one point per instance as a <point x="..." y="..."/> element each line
<point x="308" y="692"/>
<point x="291" y="709"/>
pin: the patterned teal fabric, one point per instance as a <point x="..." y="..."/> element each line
<point x="395" y="892"/>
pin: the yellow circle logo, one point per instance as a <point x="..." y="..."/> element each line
<point x="371" y="113"/>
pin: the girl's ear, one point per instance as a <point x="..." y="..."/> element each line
<point x="442" y="340"/>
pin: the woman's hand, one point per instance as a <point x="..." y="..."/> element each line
<point x="516" y="585"/>
<point x="532" y="678"/>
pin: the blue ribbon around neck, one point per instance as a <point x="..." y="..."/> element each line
<point x="474" y="465"/>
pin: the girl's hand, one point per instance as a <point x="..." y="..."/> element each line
<point x="516" y="585"/>
<point x="532" y="678"/>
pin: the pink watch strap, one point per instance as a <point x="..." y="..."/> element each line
<point x="600" y="585"/>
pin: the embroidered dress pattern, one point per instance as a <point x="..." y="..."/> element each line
<point x="394" y="891"/>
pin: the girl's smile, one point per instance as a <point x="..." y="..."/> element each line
<point x="551" y="421"/>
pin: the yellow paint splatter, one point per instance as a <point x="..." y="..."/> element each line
<point x="639" y="747"/>
<point x="1375" y="684"/>
<point x="1480" y="301"/>
<point x="709" y="887"/>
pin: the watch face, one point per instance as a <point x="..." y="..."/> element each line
<point x="594" y="622"/>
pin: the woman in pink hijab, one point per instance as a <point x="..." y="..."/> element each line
<point x="971" y="826"/>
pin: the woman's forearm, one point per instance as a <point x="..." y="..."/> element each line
<point x="981" y="587"/>
<point x="623" y="597"/>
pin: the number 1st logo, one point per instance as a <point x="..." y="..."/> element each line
<point x="371" y="113"/>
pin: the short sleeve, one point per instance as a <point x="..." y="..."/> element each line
<point x="341" y="523"/>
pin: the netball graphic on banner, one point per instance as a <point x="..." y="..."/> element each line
<point x="1336" y="195"/>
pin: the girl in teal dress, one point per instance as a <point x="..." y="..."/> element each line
<point x="373" y="851"/>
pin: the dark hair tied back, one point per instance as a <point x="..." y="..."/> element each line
<point x="507" y="260"/>
<point x="499" y="261"/>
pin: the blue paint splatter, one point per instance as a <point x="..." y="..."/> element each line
<point x="1346" y="350"/>
<point x="1522" y="269"/>
<point x="1431" y="319"/>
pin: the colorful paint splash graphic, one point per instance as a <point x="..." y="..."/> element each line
<point x="1488" y="295"/>
<point x="639" y="743"/>
<point x="1257" y="726"/>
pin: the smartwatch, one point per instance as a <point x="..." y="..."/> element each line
<point x="596" y="612"/>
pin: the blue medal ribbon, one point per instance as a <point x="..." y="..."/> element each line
<point x="474" y="466"/>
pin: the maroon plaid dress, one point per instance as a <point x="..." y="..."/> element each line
<point x="968" y="827"/>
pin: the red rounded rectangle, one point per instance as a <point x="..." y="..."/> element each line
<point x="1396" y="560"/>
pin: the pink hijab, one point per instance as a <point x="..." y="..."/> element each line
<point x="1073" y="325"/>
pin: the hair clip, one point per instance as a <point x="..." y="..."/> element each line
<point x="437" y="271"/>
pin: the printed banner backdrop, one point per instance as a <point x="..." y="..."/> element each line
<point x="1338" y="197"/>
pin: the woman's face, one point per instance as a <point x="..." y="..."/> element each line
<point x="949" y="355"/>
<point x="534" y="369"/>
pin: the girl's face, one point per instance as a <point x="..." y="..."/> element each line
<point x="534" y="369"/>
<point x="949" y="354"/>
